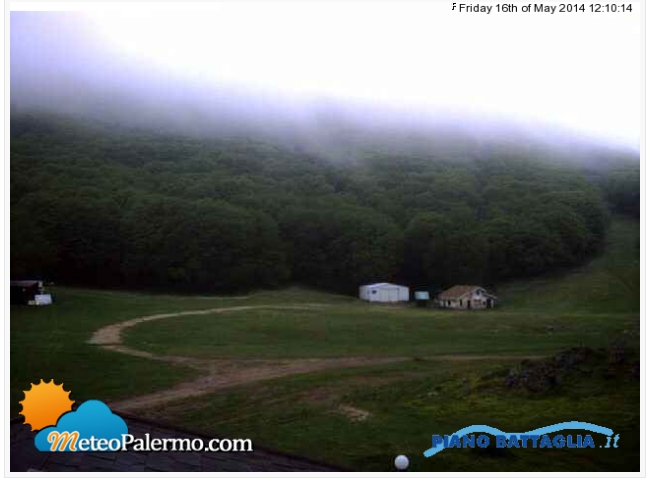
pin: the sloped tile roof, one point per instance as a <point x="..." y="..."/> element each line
<point x="457" y="291"/>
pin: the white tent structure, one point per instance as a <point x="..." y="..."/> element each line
<point x="384" y="292"/>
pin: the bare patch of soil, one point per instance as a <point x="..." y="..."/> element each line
<point x="228" y="373"/>
<point x="354" y="414"/>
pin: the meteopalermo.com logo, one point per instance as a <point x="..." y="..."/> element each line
<point x="539" y="438"/>
<point x="94" y="427"/>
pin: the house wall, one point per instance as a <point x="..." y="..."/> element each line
<point x="478" y="301"/>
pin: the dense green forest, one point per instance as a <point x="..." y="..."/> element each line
<point x="96" y="205"/>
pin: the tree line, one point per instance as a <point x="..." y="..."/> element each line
<point x="95" y="205"/>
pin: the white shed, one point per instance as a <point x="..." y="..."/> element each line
<point x="384" y="292"/>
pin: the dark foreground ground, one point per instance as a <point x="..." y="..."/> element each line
<point x="25" y="456"/>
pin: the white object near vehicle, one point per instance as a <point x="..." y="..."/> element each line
<point x="43" y="299"/>
<point x="384" y="292"/>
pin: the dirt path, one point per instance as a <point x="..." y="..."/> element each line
<point x="228" y="374"/>
<point x="111" y="334"/>
<point x="219" y="374"/>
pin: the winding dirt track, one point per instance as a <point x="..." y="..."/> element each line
<point x="217" y="374"/>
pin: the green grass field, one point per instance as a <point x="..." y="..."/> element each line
<point x="409" y="402"/>
<point x="362" y="417"/>
<point x="372" y="330"/>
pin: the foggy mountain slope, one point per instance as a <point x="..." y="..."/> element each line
<point x="219" y="150"/>
<point x="64" y="67"/>
<point x="94" y="203"/>
<point x="335" y="133"/>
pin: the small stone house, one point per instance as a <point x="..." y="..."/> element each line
<point x="466" y="297"/>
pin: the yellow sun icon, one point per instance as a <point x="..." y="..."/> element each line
<point x="44" y="404"/>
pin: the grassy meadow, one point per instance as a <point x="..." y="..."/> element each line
<point x="321" y="416"/>
<point x="362" y="417"/>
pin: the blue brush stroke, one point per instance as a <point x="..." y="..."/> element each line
<point x="539" y="431"/>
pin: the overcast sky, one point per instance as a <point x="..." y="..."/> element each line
<point x="576" y="71"/>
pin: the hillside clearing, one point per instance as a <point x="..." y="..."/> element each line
<point x="291" y="375"/>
